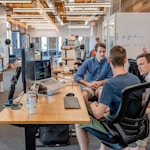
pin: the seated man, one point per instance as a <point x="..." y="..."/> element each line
<point x="110" y="97"/>
<point x="97" y="71"/>
<point x="143" y="62"/>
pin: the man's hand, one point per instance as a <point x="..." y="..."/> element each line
<point x="99" y="83"/>
<point x="95" y="84"/>
<point x="92" y="85"/>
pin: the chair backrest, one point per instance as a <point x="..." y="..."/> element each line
<point x="131" y="103"/>
<point x="92" y="53"/>
<point x="133" y="68"/>
<point x="131" y="121"/>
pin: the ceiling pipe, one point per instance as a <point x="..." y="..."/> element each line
<point x="51" y="5"/>
<point x="46" y="16"/>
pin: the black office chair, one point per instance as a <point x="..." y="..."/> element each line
<point x="78" y="64"/>
<point x="131" y="121"/>
<point x="133" y="68"/>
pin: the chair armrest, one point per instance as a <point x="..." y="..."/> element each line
<point x="111" y="132"/>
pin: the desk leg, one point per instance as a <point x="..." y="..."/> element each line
<point x="30" y="132"/>
<point x="66" y="57"/>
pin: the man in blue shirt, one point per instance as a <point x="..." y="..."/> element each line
<point x="110" y="96"/>
<point x="97" y="71"/>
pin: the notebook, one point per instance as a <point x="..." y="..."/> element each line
<point x="51" y="84"/>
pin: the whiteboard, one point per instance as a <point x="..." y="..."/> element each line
<point x="132" y="31"/>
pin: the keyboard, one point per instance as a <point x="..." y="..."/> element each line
<point x="71" y="102"/>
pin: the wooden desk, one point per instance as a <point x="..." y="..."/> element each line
<point x="50" y="110"/>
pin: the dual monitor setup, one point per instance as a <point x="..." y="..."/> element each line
<point x="31" y="70"/>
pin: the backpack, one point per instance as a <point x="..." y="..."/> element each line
<point x="55" y="135"/>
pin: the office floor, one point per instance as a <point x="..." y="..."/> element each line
<point x="12" y="137"/>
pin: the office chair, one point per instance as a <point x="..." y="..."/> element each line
<point x="129" y="124"/>
<point x="78" y="64"/>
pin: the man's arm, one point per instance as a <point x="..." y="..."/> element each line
<point x="99" y="109"/>
<point x="79" y="75"/>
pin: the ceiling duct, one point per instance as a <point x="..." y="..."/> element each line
<point x="51" y="5"/>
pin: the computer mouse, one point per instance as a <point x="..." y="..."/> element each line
<point x="70" y="94"/>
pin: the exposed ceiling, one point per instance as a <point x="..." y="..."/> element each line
<point x="48" y="14"/>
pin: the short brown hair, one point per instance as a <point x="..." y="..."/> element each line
<point x="99" y="45"/>
<point x="97" y="39"/>
<point x="146" y="55"/>
<point x="117" y="55"/>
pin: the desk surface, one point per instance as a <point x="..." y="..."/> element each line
<point x="50" y="110"/>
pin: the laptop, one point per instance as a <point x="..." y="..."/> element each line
<point x="51" y="84"/>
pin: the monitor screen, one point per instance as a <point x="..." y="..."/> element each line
<point x="133" y="68"/>
<point x="42" y="69"/>
<point x="33" y="70"/>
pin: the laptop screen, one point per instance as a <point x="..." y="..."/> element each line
<point x="42" y="69"/>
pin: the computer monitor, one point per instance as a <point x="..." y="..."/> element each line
<point x="31" y="70"/>
<point x="28" y="68"/>
<point x="42" y="69"/>
<point x="133" y="68"/>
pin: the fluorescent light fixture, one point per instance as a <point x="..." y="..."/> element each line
<point x="42" y="24"/>
<point x="77" y="26"/>
<point x="105" y="4"/>
<point x="15" y="1"/>
<point x="27" y="16"/>
<point x="33" y="20"/>
<point x="33" y="9"/>
<point x="85" y="13"/>
<point x="41" y="27"/>
<point x="84" y="8"/>
<point x="82" y="18"/>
